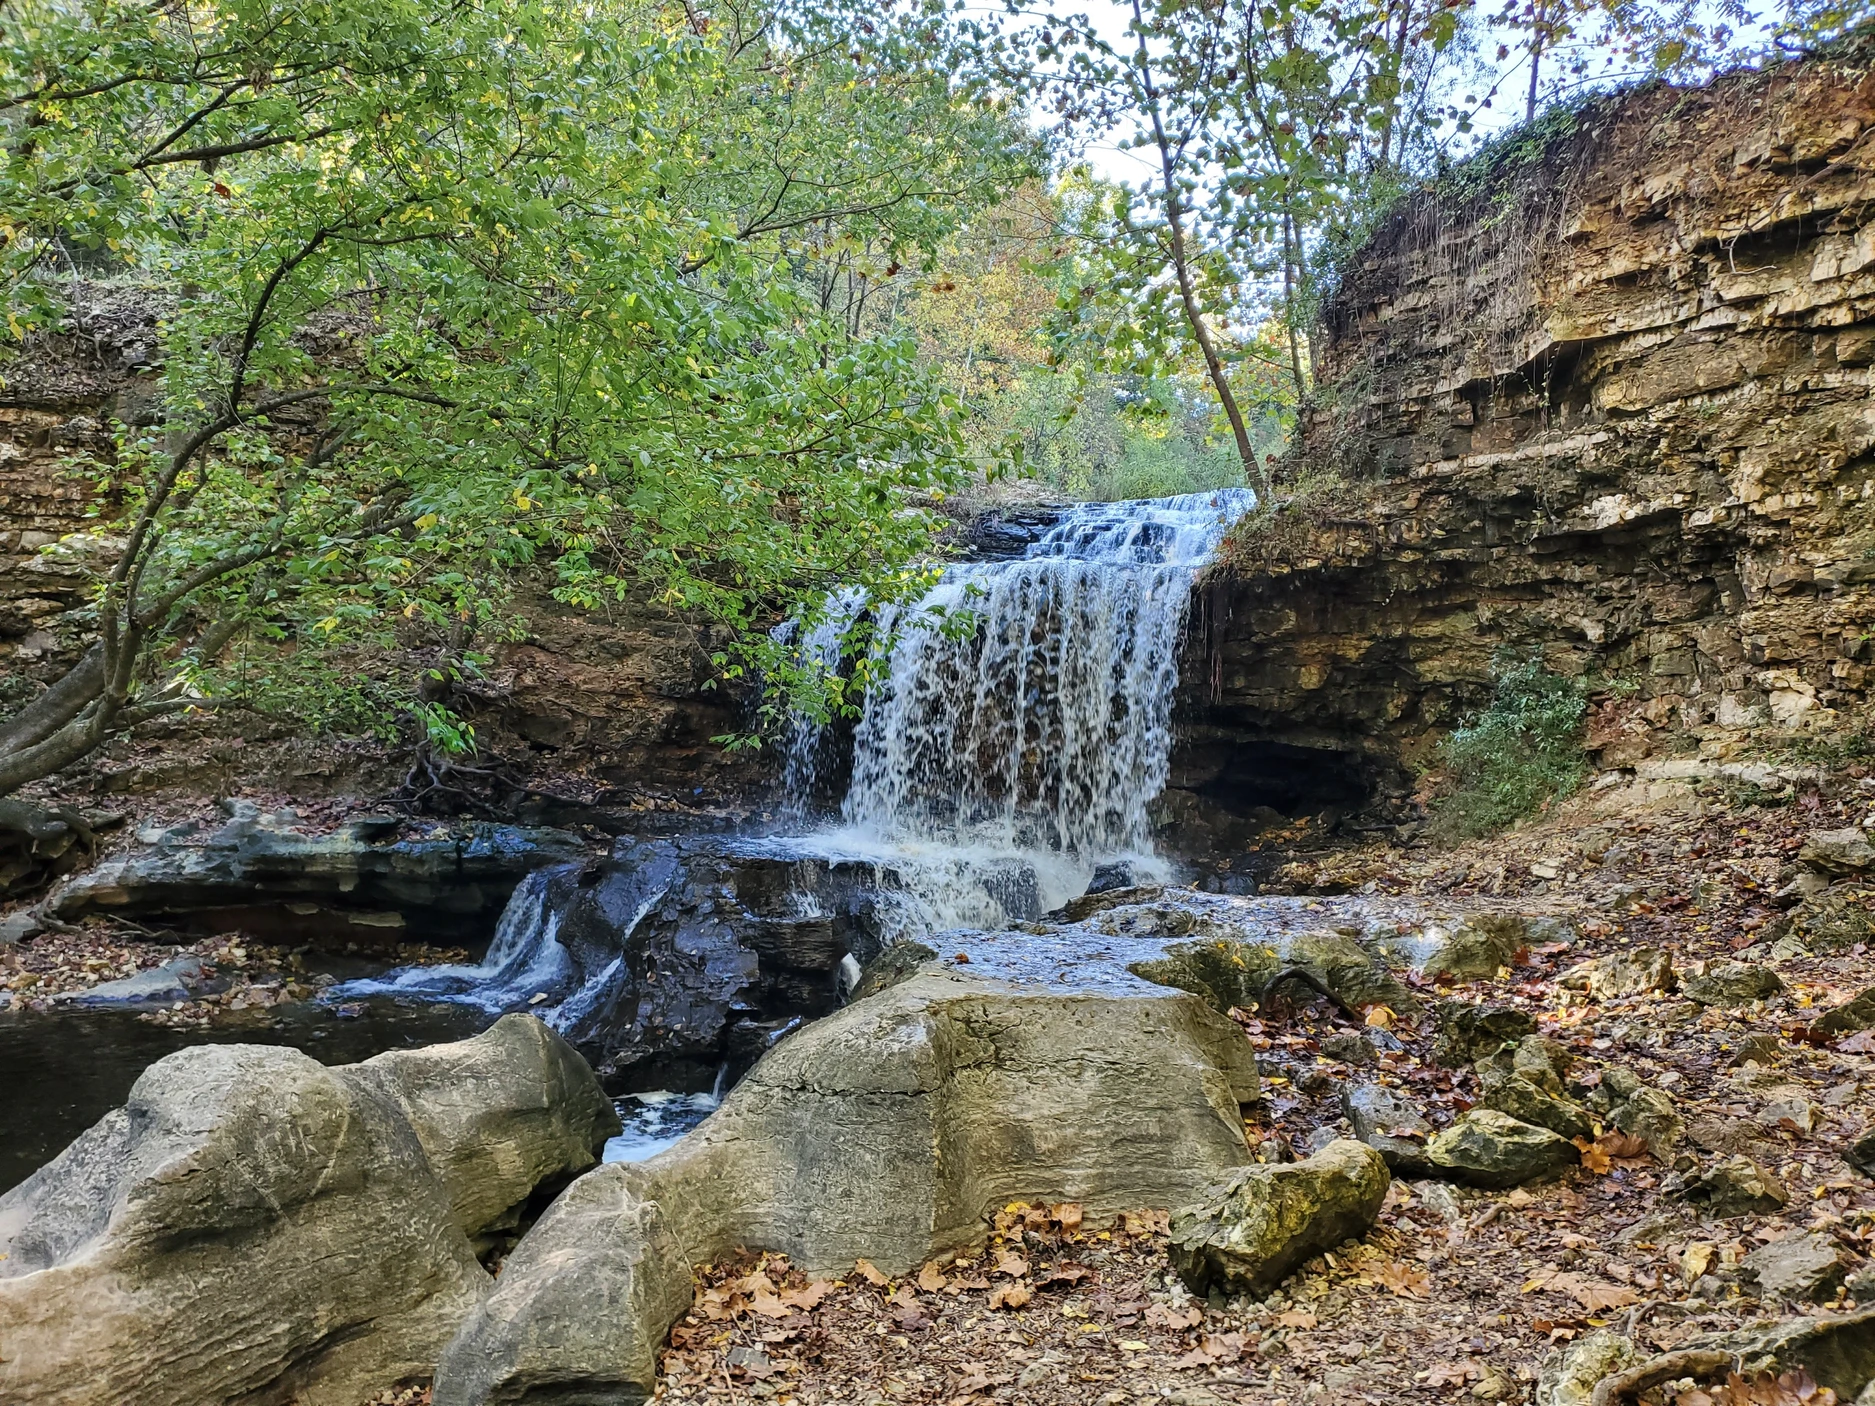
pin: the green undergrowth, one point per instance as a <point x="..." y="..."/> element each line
<point x="1517" y="756"/>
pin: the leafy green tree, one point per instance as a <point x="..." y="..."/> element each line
<point x="450" y="293"/>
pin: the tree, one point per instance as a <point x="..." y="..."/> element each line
<point x="451" y="293"/>
<point x="1260" y="123"/>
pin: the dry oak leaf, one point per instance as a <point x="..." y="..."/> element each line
<point x="1452" y="1374"/>
<point x="1297" y="1318"/>
<point x="1213" y="1348"/>
<point x="1012" y="1265"/>
<point x="930" y="1279"/>
<point x="1010" y="1296"/>
<point x="1062" y="1274"/>
<point x="1796" y="1388"/>
<point x="1403" y="1279"/>
<point x="1068" y="1214"/>
<point x="866" y="1270"/>
<point x="809" y="1298"/>
<point x="1162" y="1317"/>
<point x="1593" y="1294"/>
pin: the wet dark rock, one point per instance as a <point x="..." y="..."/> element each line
<point x="893" y="965"/>
<point x="158" y="986"/>
<point x="1392" y="1126"/>
<point x="1110" y="877"/>
<point x="654" y="960"/>
<point x="1249" y="1233"/>
<point x="1467" y="1031"/>
<point x="259" y="873"/>
<point x="1491" y="1149"/>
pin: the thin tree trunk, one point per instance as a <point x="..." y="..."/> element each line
<point x="1187" y="289"/>
<point x="57" y="706"/>
<point x="1290" y="243"/>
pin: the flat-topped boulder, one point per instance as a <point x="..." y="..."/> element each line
<point x="887" y="1131"/>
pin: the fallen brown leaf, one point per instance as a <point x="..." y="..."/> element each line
<point x="930" y="1279"/>
<point x="1010" y="1296"/>
<point x="867" y="1271"/>
<point x="1403" y="1279"/>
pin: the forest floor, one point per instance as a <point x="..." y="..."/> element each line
<point x="1458" y="1295"/>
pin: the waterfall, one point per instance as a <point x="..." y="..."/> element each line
<point x="1042" y="735"/>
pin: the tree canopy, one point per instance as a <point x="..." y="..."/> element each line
<point x="449" y="292"/>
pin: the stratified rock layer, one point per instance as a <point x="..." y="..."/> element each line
<point x="1605" y="401"/>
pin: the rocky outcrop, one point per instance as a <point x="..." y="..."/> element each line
<point x="376" y="880"/>
<point x="1250" y="1233"/>
<point x="255" y="1226"/>
<point x="887" y="1131"/>
<point x="1603" y="397"/>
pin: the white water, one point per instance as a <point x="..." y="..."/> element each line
<point x="1039" y="739"/>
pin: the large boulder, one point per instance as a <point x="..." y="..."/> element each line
<point x="253" y="1225"/>
<point x="1838" y="853"/>
<point x="1249" y="1233"/>
<point x="501" y="1118"/>
<point x="886" y="1131"/>
<point x="264" y="873"/>
<point x="1491" y="1149"/>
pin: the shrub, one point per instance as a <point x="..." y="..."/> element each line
<point x="1516" y="756"/>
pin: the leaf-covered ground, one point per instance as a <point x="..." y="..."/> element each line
<point x="1458" y="1295"/>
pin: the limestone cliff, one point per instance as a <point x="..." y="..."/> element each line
<point x="1604" y="395"/>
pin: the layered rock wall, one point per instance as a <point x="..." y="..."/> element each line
<point x="1603" y="397"/>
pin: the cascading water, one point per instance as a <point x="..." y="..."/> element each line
<point x="1041" y="737"/>
<point x="993" y="770"/>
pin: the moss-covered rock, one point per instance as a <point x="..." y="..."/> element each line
<point x="1523" y="1099"/>
<point x="1467" y="1031"/>
<point x="1492" y="1149"/>
<point x="1249" y="1233"/>
<point x="1728" y="984"/>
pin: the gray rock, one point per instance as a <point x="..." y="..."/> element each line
<point x="1569" y="1376"/>
<point x="1650" y="1115"/>
<point x="1737" y="1186"/>
<point x="1808" y="1267"/>
<point x="1391" y="1126"/>
<point x="1729" y="985"/>
<point x="19" y="926"/>
<point x="1838" y="1351"/>
<point x="256" y="1226"/>
<point x="1357" y="1050"/>
<point x="1852" y="1015"/>
<point x="1468" y="1031"/>
<point x="1251" y="1232"/>
<point x="1522" y="1098"/>
<point x="499" y="1116"/>
<point x="887" y="1130"/>
<point x="1839" y="853"/>
<point x="155" y="986"/>
<point x="1620" y="975"/>
<point x="1491" y="1149"/>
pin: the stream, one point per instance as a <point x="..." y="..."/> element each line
<point x="991" y="777"/>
